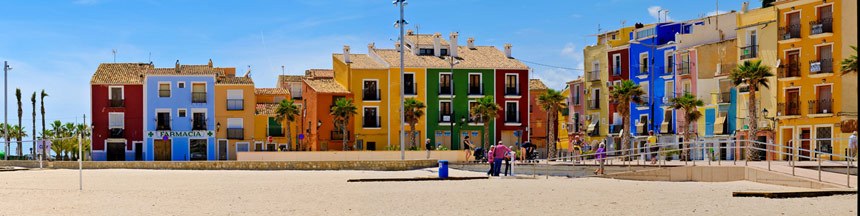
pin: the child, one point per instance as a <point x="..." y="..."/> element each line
<point x="490" y="160"/>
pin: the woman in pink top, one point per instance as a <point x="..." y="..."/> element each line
<point x="490" y="160"/>
<point x="499" y="153"/>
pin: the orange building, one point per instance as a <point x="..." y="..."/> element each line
<point x="320" y="87"/>
<point x="537" y="116"/>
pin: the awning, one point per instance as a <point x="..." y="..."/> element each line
<point x="640" y="127"/>
<point x="719" y="125"/>
<point x="664" y="127"/>
<point x="591" y="127"/>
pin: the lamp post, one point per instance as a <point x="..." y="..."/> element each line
<point x="453" y="117"/>
<point x="6" y="69"/>
<point x="401" y="23"/>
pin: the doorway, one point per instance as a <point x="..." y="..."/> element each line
<point x="805" y="144"/>
<point x="138" y="151"/>
<point x="116" y="151"/>
<point x="162" y="150"/>
<point x="198" y="148"/>
<point x="222" y="150"/>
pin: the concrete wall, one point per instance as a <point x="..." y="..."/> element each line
<point x="235" y="165"/>
<point x="720" y="174"/>
<point x="452" y="156"/>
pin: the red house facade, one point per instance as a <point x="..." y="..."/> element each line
<point x="619" y="66"/>
<point x="117" y="111"/>
<point x="512" y="94"/>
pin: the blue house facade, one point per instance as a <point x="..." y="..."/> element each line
<point x="651" y="66"/>
<point x="179" y="114"/>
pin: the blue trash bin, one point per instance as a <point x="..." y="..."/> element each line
<point x="443" y="169"/>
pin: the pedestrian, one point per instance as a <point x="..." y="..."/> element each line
<point x="467" y="145"/>
<point x="508" y="157"/>
<point x="852" y="147"/>
<point x="499" y="153"/>
<point x="428" y="145"/>
<point x="652" y="145"/>
<point x="490" y="160"/>
<point x="601" y="158"/>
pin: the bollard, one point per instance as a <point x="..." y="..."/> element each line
<point x="848" y="173"/>
<point x="819" y="168"/>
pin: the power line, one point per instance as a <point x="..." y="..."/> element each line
<point x="552" y="66"/>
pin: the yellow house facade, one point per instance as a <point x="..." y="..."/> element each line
<point x="234" y="119"/>
<point x="596" y="91"/>
<point x="415" y="84"/>
<point x="266" y="126"/>
<point x="369" y="81"/>
<point x="809" y="83"/>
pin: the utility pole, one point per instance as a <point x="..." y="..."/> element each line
<point x="6" y="70"/>
<point x="402" y="24"/>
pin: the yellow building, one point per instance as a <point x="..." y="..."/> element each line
<point x="266" y="126"/>
<point x="234" y="114"/>
<point x="370" y="81"/>
<point x="596" y="90"/>
<point x="563" y="123"/>
<point x="809" y="83"/>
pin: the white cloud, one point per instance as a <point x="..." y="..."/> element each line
<point x="572" y="52"/>
<point x="659" y="13"/>
<point x="716" y="12"/>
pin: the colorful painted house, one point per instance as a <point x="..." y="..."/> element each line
<point x="652" y="61"/>
<point x="234" y="114"/>
<point x="537" y="133"/>
<point x="577" y="106"/>
<point x="179" y="113"/>
<point x="618" y="57"/>
<point x="321" y="88"/>
<point x="369" y="81"/>
<point x="596" y="90"/>
<point x="269" y="133"/>
<point x="117" y="111"/>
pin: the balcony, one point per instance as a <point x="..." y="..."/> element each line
<point x="645" y="101"/>
<point x="445" y="90"/>
<point x="235" y="104"/>
<point x="511" y="91"/>
<point x="276" y="131"/>
<point x="789" y="70"/>
<point x="198" y="97"/>
<point x="475" y="90"/>
<point x="338" y="135"/>
<point x="236" y="133"/>
<point x="594" y="75"/>
<point x="371" y="95"/>
<point x="789" y="32"/>
<point x="791" y="108"/>
<point x="116" y="103"/>
<point x="445" y="118"/>
<point x="371" y="122"/>
<point x="116" y="133"/>
<point x="615" y="128"/>
<point x="821" y="106"/>
<point x="198" y="125"/>
<point x="163" y="125"/>
<point x="821" y="26"/>
<point x="683" y="68"/>
<point x="593" y="104"/>
<point x="749" y="52"/>
<point x="821" y="66"/>
<point x="512" y="118"/>
<point x="725" y="97"/>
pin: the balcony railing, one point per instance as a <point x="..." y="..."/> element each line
<point x="821" y="66"/>
<point x="116" y="103"/>
<point x="338" y="135"/>
<point x="116" y="133"/>
<point x="594" y="75"/>
<point x="789" y="70"/>
<point x="725" y="97"/>
<point x="198" y="125"/>
<point x="615" y="128"/>
<point x="371" y="122"/>
<point x="511" y="118"/>
<point x="475" y="90"/>
<point x="276" y="131"/>
<point x="593" y="104"/>
<point x="371" y="94"/>
<point x="791" y="108"/>
<point x="198" y="97"/>
<point x="512" y="91"/>
<point x="445" y="90"/>
<point x="821" y="26"/>
<point x="789" y="32"/>
<point x="235" y="104"/>
<point x="749" y="52"/>
<point x="445" y="118"/>
<point x="163" y="125"/>
<point x="164" y="93"/>
<point x="236" y="133"/>
<point x="683" y="68"/>
<point x="821" y="106"/>
<point x="644" y="101"/>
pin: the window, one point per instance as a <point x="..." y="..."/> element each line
<point x="258" y="146"/>
<point x="116" y="120"/>
<point x="425" y="51"/>
<point x="670" y="61"/>
<point x="371" y="118"/>
<point x="198" y="93"/>
<point x="163" y="121"/>
<point x="511" y="112"/>
<point x="791" y="106"/>
<point x="643" y="63"/>
<point x="164" y="90"/>
<point x="511" y="85"/>
<point x="443" y="52"/>
<point x="243" y="147"/>
<point x="409" y="87"/>
<point x="445" y="84"/>
<point x="445" y="111"/>
<point x="295" y="90"/>
<point x="824" y="63"/>
<point x="182" y="113"/>
<point x="115" y="96"/>
<point x="576" y="95"/>
<point x="823" y="142"/>
<point x="646" y="96"/>
<point x="688" y="89"/>
<point x="670" y="90"/>
<point x="616" y="65"/>
<point x="370" y="91"/>
<point x="473" y="118"/>
<point x="643" y="33"/>
<point x="235" y="128"/>
<point x="180" y="84"/>
<point x="198" y="149"/>
<point x="198" y="120"/>
<point x="823" y="102"/>
<point x="475" y="84"/>
<point x="235" y="99"/>
<point x="594" y="103"/>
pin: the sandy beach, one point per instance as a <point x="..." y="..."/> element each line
<point x="180" y="192"/>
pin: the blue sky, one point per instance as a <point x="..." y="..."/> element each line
<point x="57" y="45"/>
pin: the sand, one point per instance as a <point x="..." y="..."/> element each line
<point x="182" y="192"/>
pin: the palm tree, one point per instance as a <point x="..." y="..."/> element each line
<point x="487" y="110"/>
<point x="18" y="133"/>
<point x="850" y="64"/>
<point x="413" y="111"/>
<point x="624" y="94"/>
<point x="57" y="144"/>
<point x="690" y="104"/>
<point x="44" y="129"/>
<point x="551" y="101"/>
<point x="20" y="113"/>
<point x="287" y="110"/>
<point x="33" y="101"/>
<point x="341" y="111"/>
<point x="754" y="75"/>
<point x="70" y="131"/>
<point x="3" y="129"/>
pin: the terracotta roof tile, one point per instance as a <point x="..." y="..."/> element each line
<point x="536" y="84"/>
<point x="120" y="73"/>
<point x="325" y="86"/>
<point x="266" y="109"/>
<point x="362" y="61"/>
<point x="289" y="78"/>
<point x="231" y="80"/>
<point x="425" y="39"/>
<point x="482" y="57"/>
<point x="319" y="73"/>
<point x="270" y="91"/>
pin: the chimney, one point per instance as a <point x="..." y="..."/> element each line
<point x="437" y="44"/>
<point x="370" y="47"/>
<point x="346" y="54"/>
<point x="397" y="46"/>
<point x="744" y="7"/>
<point x="410" y="32"/>
<point x="508" y="50"/>
<point x="471" y="43"/>
<point x="210" y="63"/>
<point x="177" y="65"/>
<point x="453" y="42"/>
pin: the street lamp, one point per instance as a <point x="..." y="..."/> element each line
<point x="401" y="23"/>
<point x="453" y="118"/>
<point x="772" y="119"/>
<point x="6" y="69"/>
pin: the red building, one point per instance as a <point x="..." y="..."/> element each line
<point x="619" y="66"/>
<point x="117" y="111"/>
<point x="512" y="94"/>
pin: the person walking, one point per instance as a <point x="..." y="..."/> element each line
<point x="499" y="153"/>
<point x="652" y="145"/>
<point x="490" y="160"/>
<point x="467" y="146"/>
<point x="511" y="155"/>
<point x="428" y="145"/>
<point x="600" y="154"/>
<point x="852" y="147"/>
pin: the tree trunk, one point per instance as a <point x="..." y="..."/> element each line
<point x="412" y="135"/>
<point x="289" y="135"/>
<point x="753" y="120"/>
<point x="551" y="137"/>
<point x="625" y="135"/>
<point x="44" y="131"/>
<point x="343" y="131"/>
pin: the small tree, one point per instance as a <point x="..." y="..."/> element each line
<point x="413" y="111"/>
<point x="341" y="111"/>
<point x="754" y="75"/>
<point x="287" y="110"/>
<point x="551" y="101"/>
<point x="33" y="102"/>
<point x="487" y="110"/>
<point x="690" y="104"/>
<point x="626" y="94"/>
<point x="20" y="114"/>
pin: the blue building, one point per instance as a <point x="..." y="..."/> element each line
<point x="652" y="64"/>
<point x="179" y="114"/>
